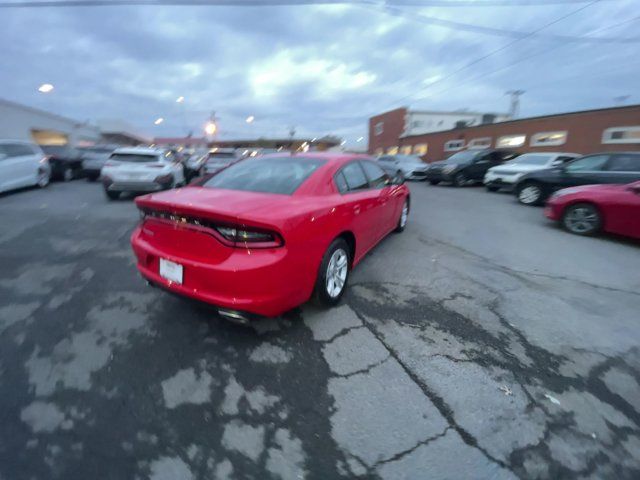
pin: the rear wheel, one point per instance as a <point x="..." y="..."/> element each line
<point x="434" y="182"/>
<point x="459" y="179"/>
<point x="404" y="215"/>
<point x="67" y="174"/>
<point x="530" y="193"/>
<point x="43" y="178"/>
<point x="582" y="219"/>
<point x="333" y="273"/>
<point x="112" y="195"/>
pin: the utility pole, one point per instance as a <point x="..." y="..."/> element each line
<point x="514" y="110"/>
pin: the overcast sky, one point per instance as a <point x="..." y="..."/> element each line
<point x="324" y="69"/>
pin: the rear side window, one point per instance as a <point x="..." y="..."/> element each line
<point x="341" y="183"/>
<point x="354" y="176"/>
<point x="585" y="164"/>
<point x="624" y="163"/>
<point x="133" y="158"/>
<point x="267" y="175"/>
<point x="16" y="150"/>
<point x="377" y="177"/>
<point x="564" y="158"/>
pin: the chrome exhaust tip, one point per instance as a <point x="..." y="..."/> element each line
<point x="234" y="316"/>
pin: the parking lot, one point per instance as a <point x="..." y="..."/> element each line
<point x="483" y="342"/>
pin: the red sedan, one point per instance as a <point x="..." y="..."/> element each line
<point x="266" y="234"/>
<point x="589" y="209"/>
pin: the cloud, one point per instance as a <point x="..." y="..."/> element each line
<point x="324" y="69"/>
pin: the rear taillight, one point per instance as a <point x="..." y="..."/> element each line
<point x="230" y="235"/>
<point x="109" y="163"/>
<point x="241" y="237"/>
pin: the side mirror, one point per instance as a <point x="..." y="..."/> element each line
<point x="556" y="163"/>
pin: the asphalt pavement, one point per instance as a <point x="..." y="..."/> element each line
<point x="482" y="342"/>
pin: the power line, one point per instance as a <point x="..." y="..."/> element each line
<point x="268" y="3"/>
<point x="494" y="52"/>
<point x="441" y="22"/>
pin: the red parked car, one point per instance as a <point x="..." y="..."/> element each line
<point x="267" y="233"/>
<point x="589" y="209"/>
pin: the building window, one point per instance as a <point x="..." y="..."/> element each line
<point x="548" y="139"/>
<point x="379" y="151"/>
<point x="511" y="141"/>
<point x="420" y="149"/>
<point x="453" y="145"/>
<point x="392" y="150"/>
<point x="406" y="150"/>
<point x="621" y="135"/>
<point x="483" y="142"/>
<point x="379" y="128"/>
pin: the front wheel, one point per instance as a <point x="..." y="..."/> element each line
<point x="67" y="174"/>
<point x="111" y="195"/>
<point x="582" y="219"/>
<point x="529" y="194"/>
<point x="404" y="215"/>
<point x="333" y="273"/>
<point x="459" y="179"/>
<point x="493" y="189"/>
<point x="434" y="182"/>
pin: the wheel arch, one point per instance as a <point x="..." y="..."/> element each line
<point x="350" y="238"/>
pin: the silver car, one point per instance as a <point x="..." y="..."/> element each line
<point x="411" y="166"/>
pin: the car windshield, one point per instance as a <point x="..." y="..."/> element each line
<point x="461" y="157"/>
<point x="531" y="159"/>
<point x="133" y="158"/>
<point x="55" y="149"/>
<point x="269" y="175"/>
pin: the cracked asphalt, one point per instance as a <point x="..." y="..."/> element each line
<point x="483" y="342"/>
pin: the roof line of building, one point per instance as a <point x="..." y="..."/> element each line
<point x="517" y="120"/>
<point x="457" y="112"/>
<point x="44" y="112"/>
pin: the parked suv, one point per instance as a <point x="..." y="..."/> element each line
<point x="506" y="175"/>
<point x="617" y="167"/>
<point x="22" y="164"/>
<point x="467" y="166"/>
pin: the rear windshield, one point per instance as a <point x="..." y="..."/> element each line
<point x="461" y="157"/>
<point x="531" y="159"/>
<point x="133" y="158"/>
<point x="220" y="158"/>
<point x="269" y="175"/>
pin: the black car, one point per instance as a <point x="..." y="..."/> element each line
<point x="467" y="166"/>
<point x="93" y="159"/>
<point x="65" y="161"/>
<point x="617" y="167"/>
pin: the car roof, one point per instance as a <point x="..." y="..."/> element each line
<point x="138" y="151"/>
<point x="6" y="141"/>
<point x="552" y="153"/>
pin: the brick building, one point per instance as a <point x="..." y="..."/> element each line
<point x="607" y="129"/>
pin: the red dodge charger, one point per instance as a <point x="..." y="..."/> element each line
<point x="588" y="209"/>
<point x="268" y="233"/>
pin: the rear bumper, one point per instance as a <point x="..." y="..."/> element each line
<point x="255" y="283"/>
<point x="144" y="186"/>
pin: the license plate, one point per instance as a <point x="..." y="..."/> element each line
<point x="171" y="271"/>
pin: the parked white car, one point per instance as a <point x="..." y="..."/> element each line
<point x="22" y="164"/>
<point x="141" y="170"/>
<point x="411" y="167"/>
<point x="507" y="175"/>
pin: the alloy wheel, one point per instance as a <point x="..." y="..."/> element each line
<point x="336" y="275"/>
<point x="404" y="215"/>
<point x="582" y="220"/>
<point x="43" y="178"/>
<point x="67" y="175"/>
<point x="529" y="194"/>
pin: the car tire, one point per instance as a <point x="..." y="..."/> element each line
<point x="67" y="174"/>
<point x="493" y="189"/>
<point x="582" y="219"/>
<point x="459" y="180"/>
<point x="434" y="182"/>
<point x="92" y="178"/>
<point x="43" y="179"/>
<point x="112" y="195"/>
<point x="327" y="292"/>
<point x="530" y="193"/>
<point x="404" y="216"/>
